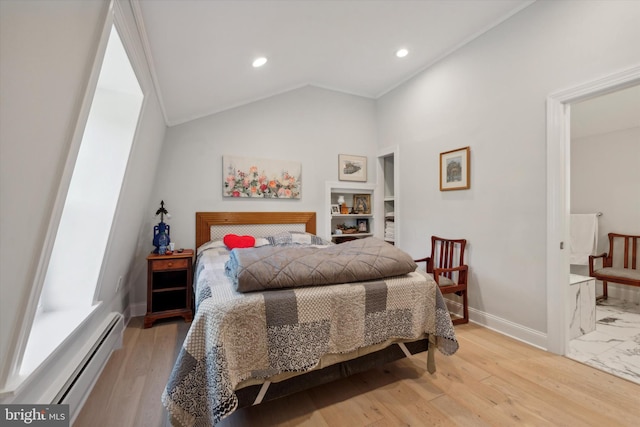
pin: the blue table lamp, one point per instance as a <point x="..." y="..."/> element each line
<point x="161" y="238"/>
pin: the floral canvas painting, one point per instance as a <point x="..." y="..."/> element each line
<point x="261" y="178"/>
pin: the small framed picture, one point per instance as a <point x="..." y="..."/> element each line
<point x="363" y="225"/>
<point x="362" y="203"/>
<point x="454" y="169"/>
<point x="335" y="209"/>
<point x="352" y="168"/>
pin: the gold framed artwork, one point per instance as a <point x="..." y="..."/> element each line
<point x="362" y="203"/>
<point x="352" y="168"/>
<point x="455" y="169"/>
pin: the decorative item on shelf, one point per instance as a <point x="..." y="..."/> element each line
<point x="345" y="229"/>
<point x="362" y="203"/>
<point x="343" y="205"/>
<point x="161" y="238"/>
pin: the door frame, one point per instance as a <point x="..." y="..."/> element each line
<point x="558" y="195"/>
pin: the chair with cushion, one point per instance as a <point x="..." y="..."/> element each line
<point x="620" y="267"/>
<point x="447" y="267"/>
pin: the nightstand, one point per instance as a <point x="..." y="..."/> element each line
<point x="169" y="281"/>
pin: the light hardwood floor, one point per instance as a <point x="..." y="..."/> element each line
<point x="491" y="381"/>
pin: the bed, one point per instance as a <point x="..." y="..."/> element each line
<point x="244" y="348"/>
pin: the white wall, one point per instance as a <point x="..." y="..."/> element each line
<point x="605" y="177"/>
<point x="309" y="125"/>
<point x="47" y="50"/>
<point x="491" y="96"/>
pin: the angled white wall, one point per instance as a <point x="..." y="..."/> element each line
<point x="47" y="50"/>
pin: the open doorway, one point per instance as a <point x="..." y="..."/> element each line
<point x="558" y="196"/>
<point x="604" y="194"/>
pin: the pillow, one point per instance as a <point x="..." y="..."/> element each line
<point x="234" y="241"/>
<point x="212" y="244"/>
<point x="293" y="238"/>
<point x="261" y="241"/>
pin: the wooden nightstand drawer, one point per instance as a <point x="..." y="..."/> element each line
<point x="169" y="264"/>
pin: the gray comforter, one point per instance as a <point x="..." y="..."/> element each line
<point x="275" y="267"/>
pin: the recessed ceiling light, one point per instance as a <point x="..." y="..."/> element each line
<point x="259" y="62"/>
<point x="401" y="53"/>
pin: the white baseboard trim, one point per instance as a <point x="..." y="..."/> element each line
<point x="138" y="309"/>
<point x="69" y="374"/>
<point x="503" y="326"/>
<point x="80" y="387"/>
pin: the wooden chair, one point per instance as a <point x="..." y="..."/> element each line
<point x="446" y="265"/>
<point x="621" y="267"/>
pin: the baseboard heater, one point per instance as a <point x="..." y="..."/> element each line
<point x="77" y="388"/>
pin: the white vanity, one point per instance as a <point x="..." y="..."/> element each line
<point x="582" y="305"/>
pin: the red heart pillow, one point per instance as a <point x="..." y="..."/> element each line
<point x="234" y="241"/>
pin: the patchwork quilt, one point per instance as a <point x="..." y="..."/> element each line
<point x="237" y="336"/>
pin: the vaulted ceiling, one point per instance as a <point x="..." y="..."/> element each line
<point x="201" y="51"/>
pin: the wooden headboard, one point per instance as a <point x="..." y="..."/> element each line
<point x="204" y="221"/>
